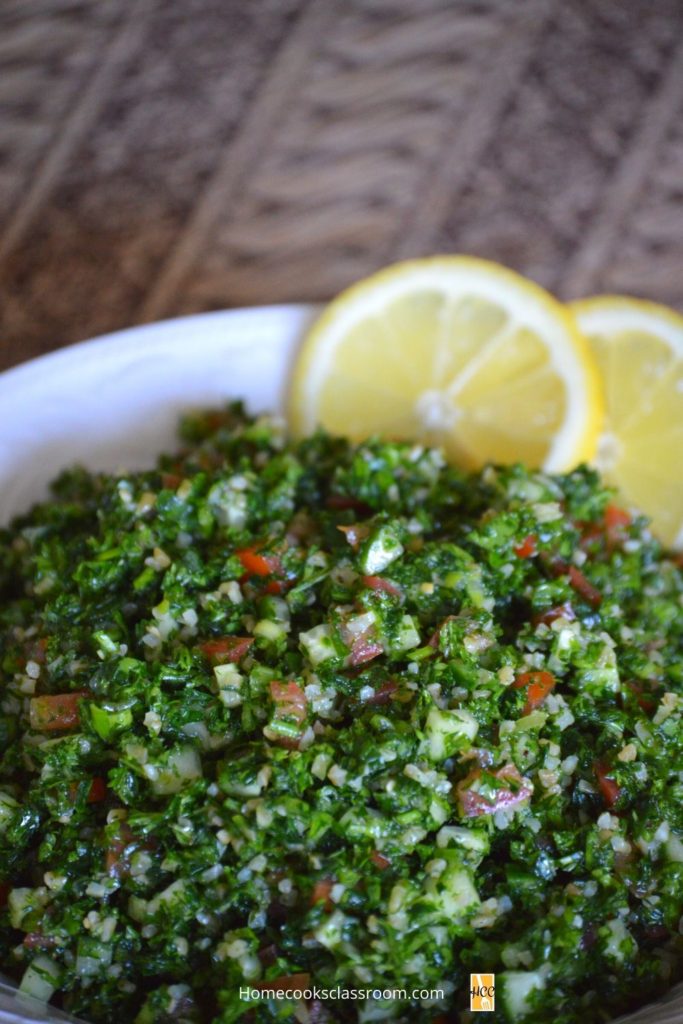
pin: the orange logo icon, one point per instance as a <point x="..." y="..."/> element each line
<point x="482" y="992"/>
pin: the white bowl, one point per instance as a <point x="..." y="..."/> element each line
<point x="115" y="402"/>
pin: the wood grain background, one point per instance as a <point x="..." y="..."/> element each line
<point x="159" y="157"/>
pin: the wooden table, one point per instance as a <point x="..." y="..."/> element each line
<point x="161" y="158"/>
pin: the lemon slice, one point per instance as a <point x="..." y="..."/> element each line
<point x="453" y="351"/>
<point x="639" y="349"/>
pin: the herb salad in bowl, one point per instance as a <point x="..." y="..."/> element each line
<point x="303" y="727"/>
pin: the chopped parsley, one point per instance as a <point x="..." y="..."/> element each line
<point x="284" y="715"/>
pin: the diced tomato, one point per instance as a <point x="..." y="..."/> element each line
<point x="321" y="893"/>
<point x="384" y="694"/>
<point x="290" y="701"/>
<point x="355" y="533"/>
<point x="227" y="648"/>
<point x="56" y="711"/>
<point x="560" y="611"/>
<point x="555" y="565"/>
<point x="268" y="954"/>
<point x="37" y="651"/>
<point x="122" y="847"/>
<point x="256" y="564"/>
<point x="617" y="521"/>
<point x="117" y="862"/>
<point x="317" y="1012"/>
<point x="364" y="648"/>
<point x="344" y="502"/>
<point x="379" y="860"/>
<point x="645" y="698"/>
<point x="34" y="940"/>
<point x="381" y="586"/>
<point x="481" y="755"/>
<point x="590" y="532"/>
<point x="171" y="481"/>
<point x="286" y="725"/>
<point x="583" y="587"/>
<point x="473" y="803"/>
<point x="615" y="516"/>
<point x="434" y="638"/>
<point x="538" y="685"/>
<point x="527" y="549"/>
<point x="608" y="787"/>
<point x="96" y="793"/>
<point x="286" y="983"/>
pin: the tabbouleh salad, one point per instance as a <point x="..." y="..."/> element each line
<point x="284" y="714"/>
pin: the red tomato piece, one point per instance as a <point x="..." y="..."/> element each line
<point x="615" y="516"/>
<point x="384" y="694"/>
<point x="122" y="847"/>
<point x="560" y="611"/>
<point x="37" y="651"/>
<point x="473" y="804"/>
<point x="290" y="701"/>
<point x="227" y="648"/>
<point x="321" y="893"/>
<point x="56" y="711"/>
<point x="645" y="698"/>
<point x="590" y="532"/>
<point x="96" y="793"/>
<point x="364" y="649"/>
<point x="34" y="940"/>
<point x="117" y="859"/>
<point x="617" y="522"/>
<point x="286" y="983"/>
<point x="355" y="534"/>
<point x="379" y="860"/>
<point x="381" y="586"/>
<point x="583" y="587"/>
<point x="538" y="686"/>
<point x="527" y="549"/>
<point x="344" y="502"/>
<point x="434" y="638"/>
<point x="98" y="790"/>
<point x="608" y="787"/>
<point x="256" y="564"/>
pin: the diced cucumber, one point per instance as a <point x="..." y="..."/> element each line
<point x="474" y="843"/>
<point x="92" y="957"/>
<point x="182" y="766"/>
<point x="446" y="732"/>
<point x="40" y="979"/>
<point x="8" y="806"/>
<point x="22" y="902"/>
<point x="107" y="721"/>
<point x="229" y="680"/>
<point x="673" y="849"/>
<point x="380" y="550"/>
<point x="330" y="933"/>
<point x="516" y="987"/>
<point x="270" y="630"/>
<point x="318" y="644"/>
<point x="407" y="636"/>
<point x="619" y="944"/>
<point x="453" y="893"/>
